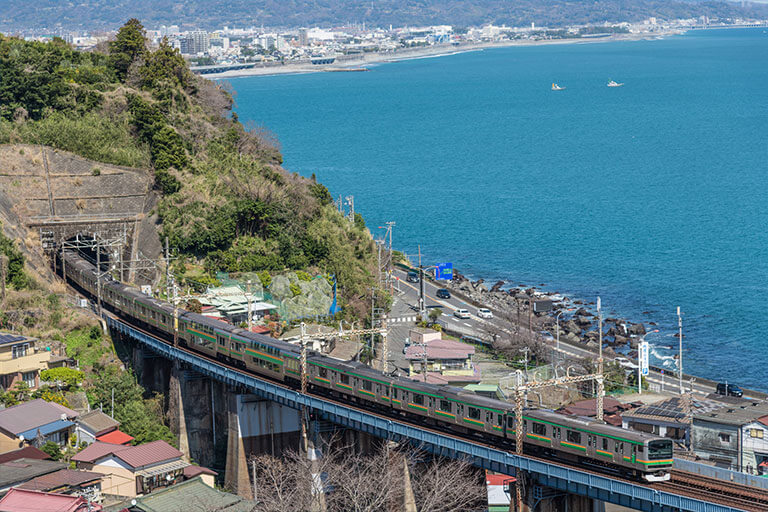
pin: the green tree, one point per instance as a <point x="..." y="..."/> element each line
<point x="52" y="449"/>
<point x="434" y="314"/>
<point x="129" y="45"/>
<point x="139" y="416"/>
<point x="165" y="66"/>
<point x="15" y="275"/>
<point x="67" y="377"/>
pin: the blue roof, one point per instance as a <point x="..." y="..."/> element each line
<point x="47" y="429"/>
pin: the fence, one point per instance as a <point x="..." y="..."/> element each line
<point x="725" y="475"/>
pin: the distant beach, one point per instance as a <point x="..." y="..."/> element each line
<point x="359" y="62"/>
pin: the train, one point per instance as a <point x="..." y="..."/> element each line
<point x="577" y="440"/>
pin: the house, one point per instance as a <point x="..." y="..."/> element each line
<point x="443" y="361"/>
<point x="20" y="500"/>
<point x="21" y="361"/>
<point x="189" y="496"/>
<point x="734" y="436"/>
<point x="668" y="418"/>
<point x="35" y="422"/>
<point x="96" y="426"/>
<point x="20" y="471"/>
<point x="67" y="481"/>
<point x="28" y="452"/>
<point x="231" y="303"/>
<point x="133" y="470"/>
<point x="612" y="409"/>
<point x="206" y="475"/>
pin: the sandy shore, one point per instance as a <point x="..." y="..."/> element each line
<point x="360" y="63"/>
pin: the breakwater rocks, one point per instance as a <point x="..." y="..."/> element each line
<point x="578" y="318"/>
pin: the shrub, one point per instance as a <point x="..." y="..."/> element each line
<point x="265" y="278"/>
<point x="295" y="289"/>
<point x="303" y="276"/>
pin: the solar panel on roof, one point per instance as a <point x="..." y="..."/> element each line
<point x="10" y="338"/>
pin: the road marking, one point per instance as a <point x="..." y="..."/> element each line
<point x="445" y="314"/>
<point x="454" y="319"/>
<point x="465" y="323"/>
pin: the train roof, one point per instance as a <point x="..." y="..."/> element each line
<point x="590" y="424"/>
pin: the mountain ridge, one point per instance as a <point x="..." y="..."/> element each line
<point x="109" y="14"/>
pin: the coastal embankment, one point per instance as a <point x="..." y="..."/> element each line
<point x="359" y="62"/>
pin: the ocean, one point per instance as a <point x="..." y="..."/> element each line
<point x="652" y="195"/>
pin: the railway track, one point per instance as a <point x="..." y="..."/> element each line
<point x="748" y="498"/>
<point x="686" y="484"/>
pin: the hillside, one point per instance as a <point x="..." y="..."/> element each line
<point x="18" y="14"/>
<point x="224" y="201"/>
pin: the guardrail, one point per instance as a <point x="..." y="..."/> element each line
<point x="726" y="475"/>
<point x="567" y="479"/>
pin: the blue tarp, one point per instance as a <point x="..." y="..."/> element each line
<point x="46" y="429"/>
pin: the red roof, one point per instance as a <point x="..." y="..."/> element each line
<point x="28" y="452"/>
<point x="763" y="420"/>
<point x="135" y="456"/>
<point x="115" y="437"/>
<point x="193" y="471"/>
<point x="498" y="479"/>
<point x="19" y="500"/>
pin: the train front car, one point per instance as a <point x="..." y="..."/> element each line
<point x="660" y="460"/>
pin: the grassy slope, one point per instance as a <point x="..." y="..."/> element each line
<point x="226" y="203"/>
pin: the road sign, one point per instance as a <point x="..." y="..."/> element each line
<point x="643" y="354"/>
<point x="444" y="272"/>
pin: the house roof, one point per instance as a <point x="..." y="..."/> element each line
<point x="28" y="452"/>
<point x="21" y="500"/>
<point x="8" y="338"/>
<point x="763" y="420"/>
<point x="135" y="456"/>
<point x="440" y="349"/>
<point x="30" y="416"/>
<point x="440" y="379"/>
<point x="21" y="470"/>
<point x="193" y="471"/>
<point x="737" y="414"/>
<point x="186" y="495"/>
<point x="61" y="478"/>
<point x="115" y="437"/>
<point x="98" y="422"/>
<point x="589" y="407"/>
<point x="672" y="410"/>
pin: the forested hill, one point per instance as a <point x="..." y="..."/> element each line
<point x="224" y="201"/>
<point x="88" y="14"/>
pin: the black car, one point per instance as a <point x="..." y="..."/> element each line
<point x="413" y="277"/>
<point x="728" y="389"/>
<point x="442" y="293"/>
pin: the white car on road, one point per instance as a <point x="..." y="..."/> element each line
<point x="461" y="313"/>
<point x="484" y="313"/>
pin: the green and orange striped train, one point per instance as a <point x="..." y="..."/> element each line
<point x="546" y="433"/>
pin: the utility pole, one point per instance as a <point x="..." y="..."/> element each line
<point x="303" y="341"/>
<point x="422" y="308"/>
<point x="373" y="324"/>
<point x="98" y="275"/>
<point x="519" y="399"/>
<point x="3" y="274"/>
<point x="680" y="356"/>
<point x="63" y="266"/>
<point x="250" y="309"/>
<point x="600" y="384"/>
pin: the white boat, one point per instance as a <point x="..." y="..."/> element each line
<point x="614" y="84"/>
<point x="556" y="87"/>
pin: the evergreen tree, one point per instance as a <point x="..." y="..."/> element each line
<point x="128" y="46"/>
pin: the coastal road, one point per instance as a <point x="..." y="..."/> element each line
<point x="407" y="295"/>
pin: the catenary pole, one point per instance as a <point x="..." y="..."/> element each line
<point x="680" y="355"/>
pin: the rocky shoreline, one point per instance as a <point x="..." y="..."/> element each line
<point x="578" y="320"/>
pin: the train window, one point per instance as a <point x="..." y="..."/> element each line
<point x="589" y="440"/>
<point x="616" y="446"/>
<point x="344" y="378"/>
<point x="367" y="385"/>
<point x="573" y="436"/>
<point x="378" y="389"/>
<point x="525" y="425"/>
<point x="499" y="419"/>
<point x="540" y="429"/>
<point x="488" y="417"/>
<point x="510" y="422"/>
<point x="323" y="371"/>
<point x="639" y="448"/>
<point x="474" y="413"/>
<point x="418" y="399"/>
<point x="605" y="443"/>
<point x="621" y="447"/>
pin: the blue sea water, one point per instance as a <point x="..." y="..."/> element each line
<point x="652" y="195"/>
